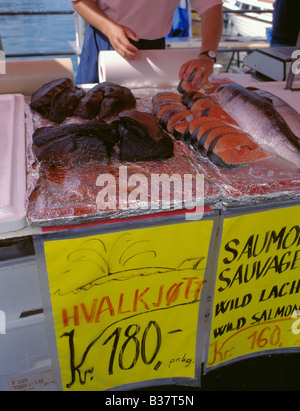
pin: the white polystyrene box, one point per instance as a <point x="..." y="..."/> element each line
<point x="24" y="351"/>
<point x="19" y="288"/>
<point x="12" y="163"/>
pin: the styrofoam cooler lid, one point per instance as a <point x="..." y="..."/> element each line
<point x="12" y="163"/>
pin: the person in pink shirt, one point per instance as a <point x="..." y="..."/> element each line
<point x="128" y="26"/>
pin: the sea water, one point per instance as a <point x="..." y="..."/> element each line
<point x="29" y="34"/>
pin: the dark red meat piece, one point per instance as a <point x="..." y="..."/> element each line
<point x="74" y="144"/>
<point x="145" y="140"/>
<point x="116" y="99"/>
<point x="89" y="106"/>
<point x="42" y="98"/>
<point x="64" y="104"/>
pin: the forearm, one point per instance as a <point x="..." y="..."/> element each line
<point x="202" y="67"/>
<point x="90" y="11"/>
<point x="117" y="34"/>
<point x="211" y="28"/>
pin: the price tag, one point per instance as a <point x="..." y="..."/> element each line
<point x="125" y="304"/>
<point x="257" y="286"/>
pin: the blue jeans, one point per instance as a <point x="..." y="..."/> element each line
<point x="94" y="41"/>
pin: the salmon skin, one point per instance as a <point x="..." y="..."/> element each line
<point x="257" y="117"/>
<point x="191" y="96"/>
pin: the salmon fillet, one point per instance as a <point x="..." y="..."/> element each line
<point x="233" y="149"/>
<point x="203" y="103"/>
<point x="161" y="109"/>
<point x="180" y="130"/>
<point x="191" y="96"/>
<point x="208" y="137"/>
<point x="218" y="112"/>
<point x="180" y="117"/>
<point x="165" y="117"/>
<point x="166" y="95"/>
<point x="199" y="121"/>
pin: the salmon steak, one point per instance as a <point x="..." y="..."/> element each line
<point x="162" y="108"/>
<point x="181" y="129"/>
<point x="203" y="103"/>
<point x="218" y="112"/>
<point x="166" y="95"/>
<point x="191" y="96"/>
<point x="211" y="134"/>
<point x="166" y="116"/>
<point x="201" y="124"/>
<point x="234" y="149"/>
<point x="180" y="117"/>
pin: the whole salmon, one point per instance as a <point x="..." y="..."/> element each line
<point x="258" y="117"/>
<point x="288" y="113"/>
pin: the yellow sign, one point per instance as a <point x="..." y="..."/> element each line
<point x="125" y="304"/>
<point x="257" y="286"/>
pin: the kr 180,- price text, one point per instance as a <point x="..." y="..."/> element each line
<point x="126" y="346"/>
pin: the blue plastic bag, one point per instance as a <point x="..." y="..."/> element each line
<point x="180" y="27"/>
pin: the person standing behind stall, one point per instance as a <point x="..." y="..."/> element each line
<point x="286" y="23"/>
<point x="127" y="26"/>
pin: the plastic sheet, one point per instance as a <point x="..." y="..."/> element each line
<point x="68" y="196"/>
<point x="65" y="197"/>
<point x="266" y="181"/>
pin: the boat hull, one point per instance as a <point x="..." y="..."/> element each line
<point x="250" y="24"/>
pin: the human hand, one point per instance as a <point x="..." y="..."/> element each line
<point x="118" y="36"/>
<point x="202" y="67"/>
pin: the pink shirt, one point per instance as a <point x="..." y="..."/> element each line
<point x="149" y="19"/>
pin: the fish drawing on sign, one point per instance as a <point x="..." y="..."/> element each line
<point x="126" y="259"/>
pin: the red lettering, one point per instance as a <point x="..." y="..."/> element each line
<point x="173" y="293"/>
<point x="66" y="317"/>
<point x="138" y="297"/>
<point x="121" y="304"/>
<point x="157" y="304"/>
<point x="89" y="317"/>
<point x="188" y="286"/>
<point x="109" y="308"/>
